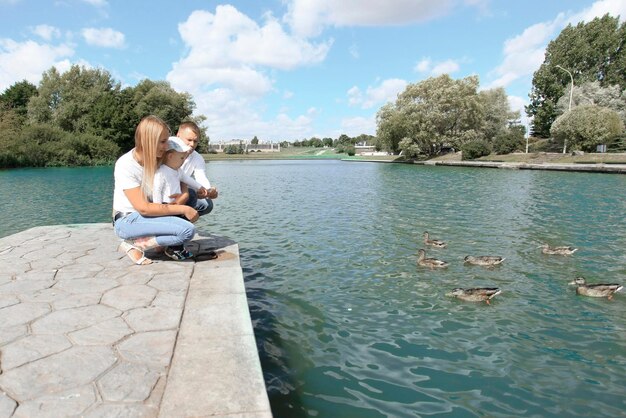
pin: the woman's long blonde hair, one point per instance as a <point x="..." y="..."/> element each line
<point x="147" y="136"/>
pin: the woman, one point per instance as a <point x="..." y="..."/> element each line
<point x="138" y="221"/>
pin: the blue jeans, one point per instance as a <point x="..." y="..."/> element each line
<point x="168" y="230"/>
<point x="203" y="206"/>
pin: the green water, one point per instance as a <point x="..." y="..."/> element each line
<point x="348" y="326"/>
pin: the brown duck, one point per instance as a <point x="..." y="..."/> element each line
<point x="476" y="294"/>
<point x="429" y="262"/>
<point x="564" y="250"/>
<point x="484" y="260"/>
<point x="597" y="290"/>
<point x="433" y="242"/>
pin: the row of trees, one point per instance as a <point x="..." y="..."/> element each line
<point x="81" y="117"/>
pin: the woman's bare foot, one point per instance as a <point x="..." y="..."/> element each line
<point x="145" y="243"/>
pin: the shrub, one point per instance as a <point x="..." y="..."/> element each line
<point x="475" y="149"/>
<point x="508" y="141"/>
<point x="233" y="149"/>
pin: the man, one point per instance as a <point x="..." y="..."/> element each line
<point x="195" y="166"/>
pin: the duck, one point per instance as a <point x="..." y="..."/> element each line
<point x="429" y="262"/>
<point x="476" y="294"/>
<point x="484" y="260"/>
<point x="434" y="242"/>
<point x="597" y="290"/>
<point x="564" y="250"/>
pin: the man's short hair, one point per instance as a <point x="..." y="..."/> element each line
<point x="190" y="125"/>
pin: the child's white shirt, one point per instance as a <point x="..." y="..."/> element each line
<point x="167" y="182"/>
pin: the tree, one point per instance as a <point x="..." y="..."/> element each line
<point x="160" y="99"/>
<point x="68" y="100"/>
<point x="586" y="126"/>
<point x="255" y="140"/>
<point x="497" y="112"/>
<point x="594" y="51"/>
<point x="428" y="115"/>
<point x="16" y="97"/>
<point x="592" y="93"/>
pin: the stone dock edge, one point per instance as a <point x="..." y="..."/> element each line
<point x="588" y="168"/>
<point x="85" y="333"/>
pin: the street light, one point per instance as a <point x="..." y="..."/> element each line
<point x="571" y="91"/>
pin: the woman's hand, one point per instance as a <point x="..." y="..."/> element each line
<point x="190" y="213"/>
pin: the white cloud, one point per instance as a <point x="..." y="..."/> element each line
<point x="309" y="17"/>
<point x="97" y="3"/>
<point x="354" y="51"/>
<point x="599" y="9"/>
<point x="356" y="126"/>
<point x="524" y="53"/>
<point x="227" y="66"/>
<point x="104" y="37"/>
<point x="387" y="91"/>
<point x="355" y="97"/>
<point x="46" y="32"/>
<point x="28" y="60"/>
<point x="426" y="65"/>
<point x="287" y="94"/>
<point x="445" y="67"/>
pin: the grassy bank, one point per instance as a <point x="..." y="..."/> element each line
<point x="294" y="153"/>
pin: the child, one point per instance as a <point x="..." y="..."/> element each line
<point x="195" y="166"/>
<point x="167" y="188"/>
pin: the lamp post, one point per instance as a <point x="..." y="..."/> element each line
<point x="571" y="91"/>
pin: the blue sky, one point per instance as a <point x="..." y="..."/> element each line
<point x="290" y="69"/>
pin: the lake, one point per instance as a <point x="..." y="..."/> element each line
<point x="347" y="324"/>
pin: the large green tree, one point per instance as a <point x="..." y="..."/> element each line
<point x="593" y="51"/>
<point x="433" y="113"/>
<point x="160" y="99"/>
<point x="68" y="100"/>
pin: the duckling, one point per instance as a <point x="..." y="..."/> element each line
<point x="597" y="290"/>
<point x="429" y="262"/>
<point x="546" y="249"/>
<point x="434" y="242"/>
<point x="476" y="294"/>
<point x="484" y="260"/>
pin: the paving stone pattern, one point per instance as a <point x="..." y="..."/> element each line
<point x="84" y="332"/>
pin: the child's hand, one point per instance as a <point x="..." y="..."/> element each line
<point x="202" y="193"/>
<point x="179" y="198"/>
<point x="212" y="193"/>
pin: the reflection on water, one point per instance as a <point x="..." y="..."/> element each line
<point x="348" y="326"/>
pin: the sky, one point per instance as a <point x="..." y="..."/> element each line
<point x="290" y="69"/>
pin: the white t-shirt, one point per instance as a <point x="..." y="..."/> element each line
<point x="167" y="182"/>
<point x="127" y="175"/>
<point x="195" y="166"/>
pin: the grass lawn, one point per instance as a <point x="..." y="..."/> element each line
<point x="294" y="153"/>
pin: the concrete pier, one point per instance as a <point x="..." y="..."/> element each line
<point x="85" y="333"/>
